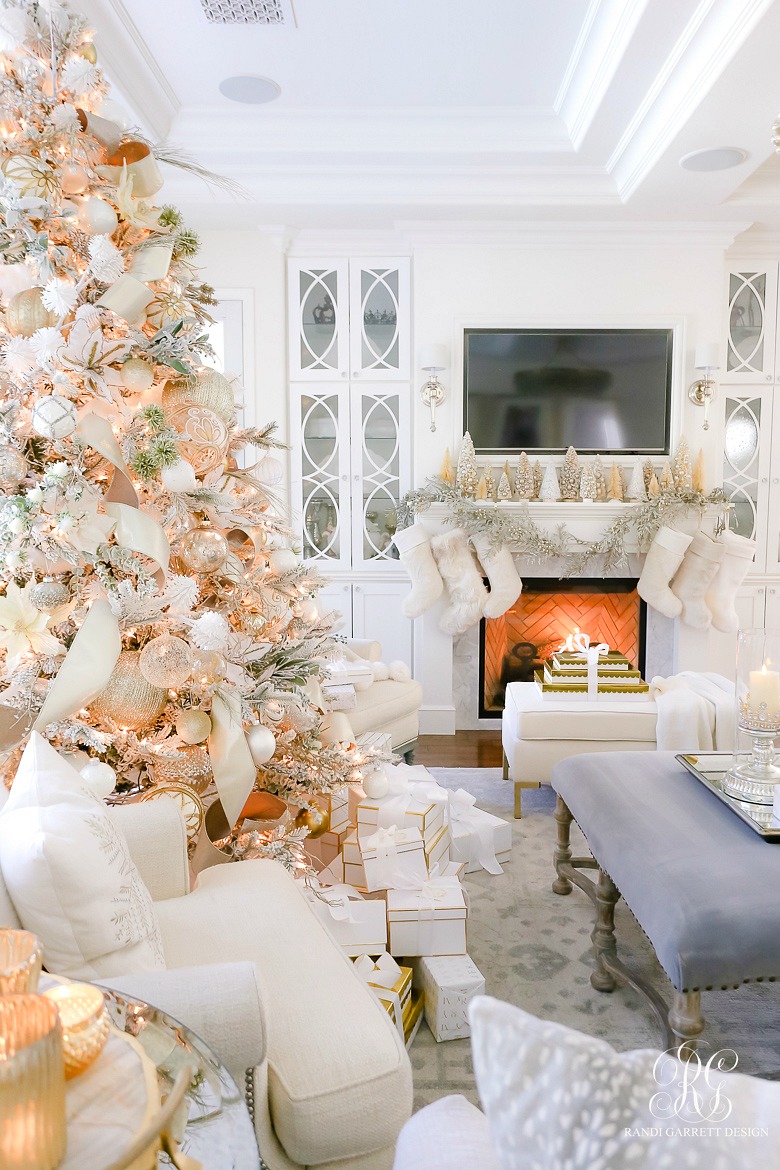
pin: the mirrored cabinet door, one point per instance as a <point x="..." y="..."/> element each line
<point x="751" y="325"/>
<point x="747" y="471"/>
<point x="379" y="319"/>
<point x="380" y="470"/>
<point x="318" y="319"/>
<point x="321" y="481"/>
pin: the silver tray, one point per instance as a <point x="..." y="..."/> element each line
<point x="710" y="768"/>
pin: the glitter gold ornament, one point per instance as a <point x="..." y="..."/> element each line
<point x="32" y="176"/>
<point x="166" y="661"/>
<point x="13" y="467"/>
<point x="208" y="667"/>
<point x="128" y="699"/>
<point x="210" y="389"/>
<point x="49" y="594"/>
<point x="191" y="765"/>
<point x="203" y="549"/>
<point x="188" y="801"/>
<point x="316" y="820"/>
<point x="26" y="312"/>
<point x="193" y="726"/>
<point x="88" y="52"/>
<point x="205" y="436"/>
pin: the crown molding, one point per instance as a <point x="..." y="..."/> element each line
<point x="549" y="234"/>
<point x="130" y="67"/>
<point x="348" y="242"/>
<point x="707" y="44"/>
<point x="606" y="33"/>
<point x="756" y="243"/>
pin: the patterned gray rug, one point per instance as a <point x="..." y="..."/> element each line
<point x="534" y="950"/>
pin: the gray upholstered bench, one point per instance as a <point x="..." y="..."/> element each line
<point x="702" y="885"/>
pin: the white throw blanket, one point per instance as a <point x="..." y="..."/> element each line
<point x="694" y="712"/>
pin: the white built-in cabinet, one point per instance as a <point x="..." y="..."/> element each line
<point x="350" y="405"/>
<point x="750" y="395"/>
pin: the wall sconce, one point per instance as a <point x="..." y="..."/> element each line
<point x="702" y="391"/>
<point x="433" y="358"/>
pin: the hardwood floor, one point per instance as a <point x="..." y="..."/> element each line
<point x="464" y="749"/>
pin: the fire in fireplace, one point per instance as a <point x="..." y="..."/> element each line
<point x="515" y="645"/>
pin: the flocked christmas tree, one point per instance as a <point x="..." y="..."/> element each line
<point x="524" y="478"/>
<point x="681" y="467"/>
<point x="569" y="476"/>
<point x="588" y="485"/>
<point x="600" y="477"/>
<point x="636" y="488"/>
<point x="550" y="488"/>
<point x="490" y="483"/>
<point x="151" y="619"/>
<point x="467" y="476"/>
<point x="504" y="489"/>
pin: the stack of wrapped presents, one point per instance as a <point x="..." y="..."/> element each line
<point x="595" y="672"/>
<point x="389" y="891"/>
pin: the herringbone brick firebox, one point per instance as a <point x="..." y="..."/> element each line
<point x="513" y="646"/>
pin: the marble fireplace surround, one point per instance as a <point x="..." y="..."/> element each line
<point x="448" y="668"/>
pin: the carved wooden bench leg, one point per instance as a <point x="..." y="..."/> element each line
<point x="686" y="1021"/>
<point x="562" y="855"/>
<point x="603" y="935"/>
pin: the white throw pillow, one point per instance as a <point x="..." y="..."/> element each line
<point x="70" y="875"/>
<point x="559" y="1100"/>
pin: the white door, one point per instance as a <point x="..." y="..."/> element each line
<point x="379" y="319"/>
<point x="376" y="614"/>
<point x="751" y="324"/>
<point x="318" y="319"/>
<point x="772" y="619"/>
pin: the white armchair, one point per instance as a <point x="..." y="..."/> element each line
<point x="390" y="706"/>
<point x="252" y="970"/>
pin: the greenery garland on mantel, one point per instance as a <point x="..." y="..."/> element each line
<point x="525" y="536"/>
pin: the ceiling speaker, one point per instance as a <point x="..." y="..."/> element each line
<point x="244" y="11"/>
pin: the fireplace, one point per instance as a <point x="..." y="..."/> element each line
<point x="513" y="646"/>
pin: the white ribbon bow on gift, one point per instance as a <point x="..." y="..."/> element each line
<point x="402" y="790"/>
<point x="480" y="836"/>
<point x="389" y="872"/>
<point x="337" y="898"/>
<point x="380" y="978"/>
<point x="594" y="653"/>
<point x="435" y="890"/>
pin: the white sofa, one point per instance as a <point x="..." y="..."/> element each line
<point x="390" y="706"/>
<point x="252" y="970"/>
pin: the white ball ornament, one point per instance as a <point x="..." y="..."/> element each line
<point x="309" y="611"/>
<point x="269" y="471"/>
<point x="96" y="217"/>
<point x="376" y="785"/>
<point x="73" y="178"/>
<point x="137" y="375"/>
<point x="179" y="477"/>
<point x="282" y="560"/>
<point x="100" y="777"/>
<point x="54" y="417"/>
<point x="262" y="744"/>
<point x="166" y="661"/>
<point x="193" y="726"/>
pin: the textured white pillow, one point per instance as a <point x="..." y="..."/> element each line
<point x="70" y="875"/>
<point x="559" y="1100"/>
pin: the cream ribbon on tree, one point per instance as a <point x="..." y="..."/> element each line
<point x="86" y="668"/>
<point x="231" y="760"/>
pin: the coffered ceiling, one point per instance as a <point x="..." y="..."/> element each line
<point x="458" y="110"/>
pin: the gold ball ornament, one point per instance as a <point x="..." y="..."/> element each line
<point x="187" y="799"/>
<point x="191" y="765"/>
<point x="26" y="312"/>
<point x="128" y="699"/>
<point x="32" y="176"/>
<point x="203" y="550"/>
<point x="210" y="389"/>
<point x="166" y="661"/>
<point x="88" y="52"/>
<point x="193" y="726"/>
<point x="316" y="820"/>
<point x="205" y="436"/>
<point x="208" y="667"/>
<point x="137" y="375"/>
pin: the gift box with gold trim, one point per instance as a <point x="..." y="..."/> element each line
<point x="428" y="921"/>
<point x="427" y="816"/>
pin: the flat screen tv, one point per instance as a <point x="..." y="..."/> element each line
<point x="545" y="389"/>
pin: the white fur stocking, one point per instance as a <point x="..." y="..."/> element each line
<point x="505" y="583"/>
<point x="737" y="557"/>
<point x="414" y="549"/>
<point x="463" y="580"/>
<point x="663" y="559"/>
<point x="694" y="577"/>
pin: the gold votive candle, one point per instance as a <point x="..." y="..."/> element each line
<point x="85" y="1024"/>
<point x="32" y="1084"/>
<point x="21" y="955"/>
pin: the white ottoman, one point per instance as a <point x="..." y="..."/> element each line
<point x="536" y="733"/>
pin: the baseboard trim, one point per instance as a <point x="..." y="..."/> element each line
<point x="437" y="720"/>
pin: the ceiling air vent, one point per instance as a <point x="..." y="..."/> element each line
<point x="246" y="11"/>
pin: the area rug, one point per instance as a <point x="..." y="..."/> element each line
<point x="533" y="947"/>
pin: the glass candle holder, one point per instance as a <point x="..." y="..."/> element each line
<point x="85" y="1024"/>
<point x="21" y="956"/>
<point x="32" y="1084"/>
<point x="755" y="769"/>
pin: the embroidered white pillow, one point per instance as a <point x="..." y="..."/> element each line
<point x="70" y="875"/>
<point x="559" y="1100"/>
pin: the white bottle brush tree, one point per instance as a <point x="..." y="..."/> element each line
<point x="150" y="618"/>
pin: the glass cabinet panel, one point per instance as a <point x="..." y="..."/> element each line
<point x="740" y="462"/>
<point x="379" y="318"/>
<point x="323" y="477"/>
<point x="380" y="422"/>
<point x="750" y="333"/>
<point x="318" y="320"/>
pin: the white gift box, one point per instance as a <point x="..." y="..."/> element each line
<point x="339" y="696"/>
<point x="355" y="793"/>
<point x="478" y="838"/>
<point x="380" y="741"/>
<point x="428" y="921"/>
<point x="359" y="926"/>
<point x="448" y="983"/>
<point x="437" y="853"/>
<point x="393" y="857"/>
<point x="327" y="847"/>
<point x="343" y="672"/>
<point x="409" y="813"/>
<point x="333" y="874"/>
<point x="336" y="804"/>
<point x="354" y="874"/>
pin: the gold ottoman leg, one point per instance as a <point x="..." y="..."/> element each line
<point x="519" y="786"/>
<point x="504" y="765"/>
